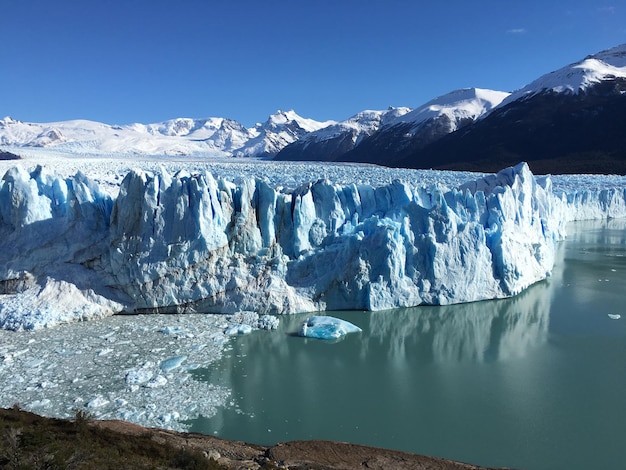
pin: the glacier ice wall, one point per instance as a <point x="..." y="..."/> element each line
<point x="191" y="242"/>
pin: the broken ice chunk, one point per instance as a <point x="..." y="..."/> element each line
<point x="138" y="376"/>
<point x="326" y="327"/>
<point x="238" y="329"/>
<point x="172" y="363"/>
<point x="97" y="402"/>
<point x="614" y="316"/>
<point x="267" y="322"/>
<point x="158" y="381"/>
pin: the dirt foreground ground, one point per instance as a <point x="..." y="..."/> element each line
<point x="310" y="455"/>
<point x="30" y="441"/>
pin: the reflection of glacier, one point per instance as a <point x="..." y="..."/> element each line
<point x="609" y="232"/>
<point x="190" y="242"/>
<point x="477" y="331"/>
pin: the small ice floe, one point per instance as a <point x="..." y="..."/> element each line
<point x="175" y="331"/>
<point x="267" y="322"/>
<point x="614" y="316"/>
<point x="34" y="363"/>
<point x="172" y="363"/>
<point x="168" y="417"/>
<point x="238" y="329"/>
<point x="326" y="327"/>
<point x="44" y="403"/>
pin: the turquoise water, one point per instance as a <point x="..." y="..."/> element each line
<point x="537" y="381"/>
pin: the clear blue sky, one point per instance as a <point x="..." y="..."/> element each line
<point x="123" y="61"/>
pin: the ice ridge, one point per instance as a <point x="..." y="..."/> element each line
<point x="190" y="242"/>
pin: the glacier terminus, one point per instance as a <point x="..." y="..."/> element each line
<point x="194" y="242"/>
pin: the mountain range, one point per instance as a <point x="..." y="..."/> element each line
<point x="379" y="136"/>
<point x="567" y="121"/>
<point x="212" y="137"/>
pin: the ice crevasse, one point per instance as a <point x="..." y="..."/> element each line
<point x="194" y="243"/>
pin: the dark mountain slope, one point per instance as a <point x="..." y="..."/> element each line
<point x="400" y="141"/>
<point x="554" y="132"/>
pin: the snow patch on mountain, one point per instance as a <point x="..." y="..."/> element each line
<point x="466" y="104"/>
<point x="358" y="126"/>
<point x="281" y="129"/>
<point x="579" y="76"/>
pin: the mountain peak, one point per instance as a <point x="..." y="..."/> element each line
<point x="282" y="116"/>
<point x="464" y="103"/>
<point x="287" y="118"/>
<point x="8" y="120"/>
<point x="614" y="55"/>
<point x="578" y="76"/>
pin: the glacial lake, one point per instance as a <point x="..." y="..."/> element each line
<point x="533" y="382"/>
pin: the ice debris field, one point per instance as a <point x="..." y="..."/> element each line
<point x="138" y="371"/>
<point x="86" y="239"/>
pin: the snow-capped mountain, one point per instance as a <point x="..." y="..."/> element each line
<point x="426" y="124"/>
<point x="333" y="141"/>
<point x="280" y="130"/>
<point x="578" y="77"/>
<point x="567" y="121"/>
<point x="458" y="106"/>
<point x="382" y="136"/>
<point x="217" y="137"/>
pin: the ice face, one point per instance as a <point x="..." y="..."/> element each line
<point x="191" y="241"/>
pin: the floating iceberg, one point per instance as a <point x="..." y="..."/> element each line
<point x="184" y="243"/>
<point x="326" y="327"/>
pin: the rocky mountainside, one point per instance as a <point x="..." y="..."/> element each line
<point x="385" y="136"/>
<point x="334" y="141"/>
<point x="568" y="121"/>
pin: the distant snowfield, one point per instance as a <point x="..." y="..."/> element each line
<point x="110" y="170"/>
<point x="140" y="368"/>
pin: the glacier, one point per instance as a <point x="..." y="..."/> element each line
<point x="191" y="241"/>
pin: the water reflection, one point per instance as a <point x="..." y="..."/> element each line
<point x="594" y="281"/>
<point x="477" y="331"/>
<point x="598" y="232"/>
